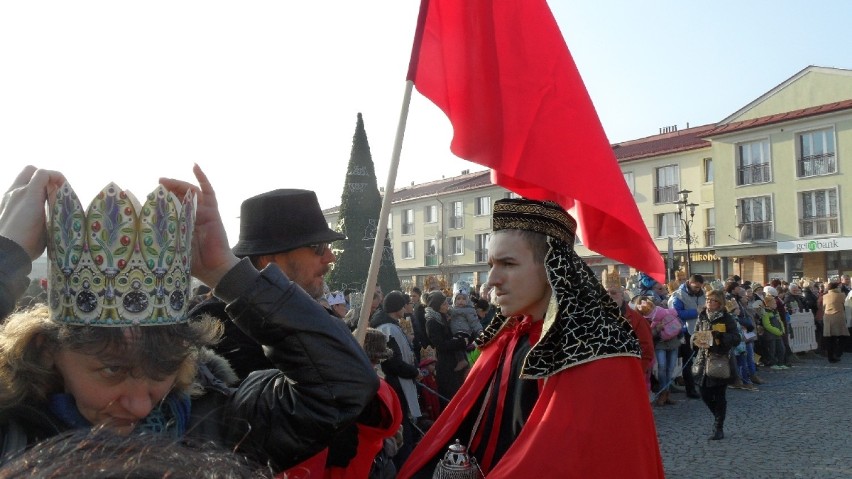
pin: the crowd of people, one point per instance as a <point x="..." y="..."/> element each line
<point x="745" y="322"/>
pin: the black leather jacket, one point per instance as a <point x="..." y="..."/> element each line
<point x="279" y="416"/>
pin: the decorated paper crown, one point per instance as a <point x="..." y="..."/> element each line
<point x="427" y="353"/>
<point x="611" y="279"/>
<point x="119" y="264"/>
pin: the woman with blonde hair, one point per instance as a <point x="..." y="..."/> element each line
<point x="716" y="334"/>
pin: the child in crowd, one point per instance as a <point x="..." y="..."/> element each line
<point x="464" y="322"/>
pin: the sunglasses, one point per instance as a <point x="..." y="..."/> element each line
<point x="319" y="248"/>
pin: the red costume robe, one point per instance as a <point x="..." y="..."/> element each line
<point x="591" y="420"/>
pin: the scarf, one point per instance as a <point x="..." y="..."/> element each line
<point x="170" y="416"/>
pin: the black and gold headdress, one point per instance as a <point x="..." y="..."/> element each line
<point x="582" y="323"/>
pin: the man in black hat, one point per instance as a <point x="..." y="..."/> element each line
<point x="285" y="227"/>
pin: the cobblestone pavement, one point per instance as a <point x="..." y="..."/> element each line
<point x="796" y="426"/>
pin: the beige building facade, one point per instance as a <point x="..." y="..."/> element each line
<point x="762" y="194"/>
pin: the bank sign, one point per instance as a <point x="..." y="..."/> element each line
<point x="815" y="245"/>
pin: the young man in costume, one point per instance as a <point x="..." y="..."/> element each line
<point x="559" y="375"/>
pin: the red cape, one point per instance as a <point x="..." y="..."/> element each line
<point x="590" y="420"/>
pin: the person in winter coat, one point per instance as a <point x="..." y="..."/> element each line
<point x="724" y="336"/>
<point x="773" y="329"/>
<point x="834" y="321"/>
<point x="448" y="348"/>
<point x="640" y="326"/>
<point x="665" y="328"/>
<point x="123" y="356"/>
<point x="401" y="368"/>
<point x="688" y="301"/>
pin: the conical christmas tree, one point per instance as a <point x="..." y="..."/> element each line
<point x="360" y="205"/>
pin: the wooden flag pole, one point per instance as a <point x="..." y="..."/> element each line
<point x="381" y="231"/>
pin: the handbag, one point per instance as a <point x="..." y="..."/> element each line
<point x="718" y="366"/>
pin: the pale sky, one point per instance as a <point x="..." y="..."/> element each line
<point x="264" y="94"/>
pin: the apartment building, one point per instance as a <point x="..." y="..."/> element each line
<point x="760" y="191"/>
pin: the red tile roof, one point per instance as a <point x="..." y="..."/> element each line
<point x="780" y="117"/>
<point x="673" y="142"/>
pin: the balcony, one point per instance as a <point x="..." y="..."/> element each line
<point x="710" y="237"/>
<point x="815" y="165"/>
<point x="666" y="194"/>
<point x="456" y="222"/>
<point x="752" y="174"/>
<point x="756" y="231"/>
<point x="431" y="260"/>
<point x="481" y="256"/>
<point x="819" y="226"/>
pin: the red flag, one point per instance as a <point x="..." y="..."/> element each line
<point x="502" y="73"/>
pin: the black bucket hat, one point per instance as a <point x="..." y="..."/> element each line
<point x="282" y="220"/>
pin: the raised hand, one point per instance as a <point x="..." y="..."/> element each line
<point x="211" y="254"/>
<point x="22" y="211"/>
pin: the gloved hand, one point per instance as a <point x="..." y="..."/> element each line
<point x="343" y="447"/>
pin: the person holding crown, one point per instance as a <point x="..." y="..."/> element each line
<point x="114" y="347"/>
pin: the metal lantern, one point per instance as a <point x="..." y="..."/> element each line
<point x="457" y="464"/>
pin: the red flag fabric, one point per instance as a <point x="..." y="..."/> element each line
<point x="501" y="72"/>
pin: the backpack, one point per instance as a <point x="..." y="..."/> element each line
<point x="670" y="321"/>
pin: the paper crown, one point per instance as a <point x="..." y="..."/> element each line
<point x="427" y="353"/>
<point x="611" y="279"/>
<point x="119" y="264"/>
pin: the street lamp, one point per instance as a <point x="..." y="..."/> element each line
<point x="684" y="206"/>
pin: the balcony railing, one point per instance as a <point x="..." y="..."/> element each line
<point x="815" y="165"/>
<point x="431" y="260"/>
<point x="819" y="226"/>
<point x="666" y="194"/>
<point x="756" y="231"/>
<point x="710" y="237"/>
<point x="408" y="228"/>
<point x="481" y="256"/>
<point x="751" y="174"/>
<point x="456" y="222"/>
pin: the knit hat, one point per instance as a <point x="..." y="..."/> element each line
<point x="436" y="298"/>
<point x="770" y="291"/>
<point x="376" y="346"/>
<point x="394" y="301"/>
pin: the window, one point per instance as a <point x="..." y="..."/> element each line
<point x="457" y="216"/>
<point x="431" y="214"/>
<point x="756" y="218"/>
<point x="753" y="163"/>
<point x="667" y="184"/>
<point x="390" y="225"/>
<point x="631" y="181"/>
<point x="431" y="249"/>
<point x="408" y="222"/>
<point x="819" y="214"/>
<point x="512" y="195"/>
<point x="482" y="206"/>
<point x="482" y="241"/>
<point x="457" y="245"/>
<point x="708" y="170"/>
<point x="667" y="225"/>
<point x="817" y="155"/>
<point x="710" y="232"/>
<point x="407" y="249"/>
